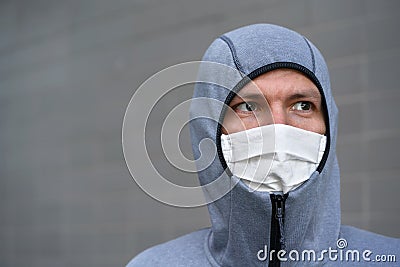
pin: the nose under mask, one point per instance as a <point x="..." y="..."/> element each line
<point x="273" y="158"/>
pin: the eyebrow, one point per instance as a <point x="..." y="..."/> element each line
<point x="308" y="94"/>
<point x="250" y="96"/>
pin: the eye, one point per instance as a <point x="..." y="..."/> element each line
<point x="246" y="107"/>
<point x="302" y="106"/>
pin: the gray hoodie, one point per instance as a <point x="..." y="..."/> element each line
<point x="246" y="226"/>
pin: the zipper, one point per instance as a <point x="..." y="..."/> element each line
<point x="277" y="236"/>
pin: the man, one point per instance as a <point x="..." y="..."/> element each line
<point x="284" y="207"/>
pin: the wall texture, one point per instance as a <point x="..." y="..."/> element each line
<point x="69" y="68"/>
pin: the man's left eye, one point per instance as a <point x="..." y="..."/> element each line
<point x="302" y="105"/>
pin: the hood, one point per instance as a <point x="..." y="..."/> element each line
<point x="241" y="221"/>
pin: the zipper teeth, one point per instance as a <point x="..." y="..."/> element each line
<point x="280" y="216"/>
<point x="277" y="226"/>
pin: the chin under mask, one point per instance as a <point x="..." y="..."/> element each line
<point x="273" y="158"/>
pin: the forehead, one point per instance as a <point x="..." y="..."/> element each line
<point x="281" y="82"/>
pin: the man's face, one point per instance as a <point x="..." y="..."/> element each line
<point x="281" y="96"/>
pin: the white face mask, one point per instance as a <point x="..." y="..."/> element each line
<point x="273" y="158"/>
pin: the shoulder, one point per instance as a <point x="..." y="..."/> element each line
<point x="363" y="237"/>
<point x="187" y="250"/>
<point x="367" y="241"/>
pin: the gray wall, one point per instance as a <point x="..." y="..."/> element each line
<point x="69" y="68"/>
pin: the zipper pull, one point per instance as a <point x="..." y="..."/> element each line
<point x="280" y="213"/>
<point x="279" y="205"/>
<point x="277" y="237"/>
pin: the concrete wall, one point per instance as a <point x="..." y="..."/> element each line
<point x="69" y="68"/>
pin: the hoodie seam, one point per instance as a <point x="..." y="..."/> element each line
<point x="229" y="225"/>
<point x="213" y="260"/>
<point x="208" y="253"/>
<point x="312" y="54"/>
<point x="235" y="58"/>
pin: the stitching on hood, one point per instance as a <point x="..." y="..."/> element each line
<point x="233" y="53"/>
<point x="312" y="53"/>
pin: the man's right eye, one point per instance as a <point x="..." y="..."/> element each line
<point x="246" y="107"/>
